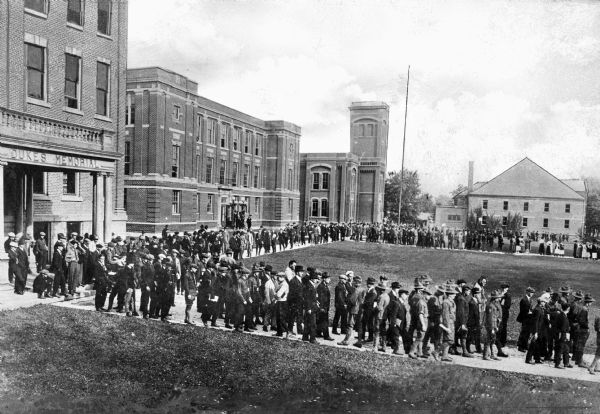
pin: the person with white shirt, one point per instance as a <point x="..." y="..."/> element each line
<point x="281" y="309"/>
<point x="290" y="271"/>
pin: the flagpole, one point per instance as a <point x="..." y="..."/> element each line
<point x="403" y="146"/>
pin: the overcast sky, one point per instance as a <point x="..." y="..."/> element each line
<point x="491" y="81"/>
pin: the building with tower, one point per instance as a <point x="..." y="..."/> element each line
<point x="344" y="187"/>
<point x="190" y="161"/>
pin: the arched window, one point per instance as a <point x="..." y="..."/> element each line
<point x="315" y="208"/>
<point x="324" y="208"/>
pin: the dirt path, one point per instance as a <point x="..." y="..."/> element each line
<point x="514" y="363"/>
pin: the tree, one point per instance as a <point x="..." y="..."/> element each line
<point x="592" y="210"/>
<point x="412" y="200"/>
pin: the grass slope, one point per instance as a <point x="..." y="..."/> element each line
<point x="63" y="360"/>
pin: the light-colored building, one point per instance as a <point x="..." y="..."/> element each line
<point x="545" y="203"/>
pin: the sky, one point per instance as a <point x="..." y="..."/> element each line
<point x="490" y="81"/>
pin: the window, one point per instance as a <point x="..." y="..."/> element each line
<point x="290" y="206"/>
<point x="454" y="217"/>
<point x="39" y="182"/>
<point x="224" y="135"/>
<point x="198" y="177"/>
<point x="545" y="223"/>
<point x="246" y="175"/>
<point x="257" y="144"/>
<point x="524" y="221"/>
<point x="484" y="220"/>
<point x="72" y="81"/>
<point x="504" y="221"/>
<point x="371" y="130"/>
<point x="505" y="205"/>
<point x="127" y="159"/>
<point x="209" y="203"/>
<point x="315" y="208"/>
<point x="526" y="206"/>
<point x="566" y="224"/>
<point x="567" y="209"/>
<point x="69" y="183"/>
<point x="546" y="207"/>
<point x="256" y="176"/>
<point x="234" y="173"/>
<point x="361" y="130"/>
<point x="102" y="89"/>
<point x="36" y="72"/>
<point x="324" y="208"/>
<point x="222" y="172"/>
<point x="175" y="161"/>
<point x="177" y="114"/>
<point x="199" y="125"/>
<point x="290" y="179"/>
<point x="211" y="131"/>
<point x="316" y="181"/>
<point x="176" y="202"/>
<point x="74" y="14"/>
<point x="484" y="204"/>
<point x="104" y="16"/>
<point x="130" y="110"/>
<point x="247" y="142"/>
<point x="209" y="169"/>
<point x="237" y="138"/>
<point x="40" y="6"/>
<point x="325" y="184"/>
<point x="125" y="198"/>
<point x="257" y="206"/>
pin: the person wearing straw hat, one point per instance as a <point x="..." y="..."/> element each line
<point x="583" y="331"/>
<point x="493" y="317"/>
<point x="592" y="368"/>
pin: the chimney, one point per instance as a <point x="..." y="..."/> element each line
<point x="470" y="183"/>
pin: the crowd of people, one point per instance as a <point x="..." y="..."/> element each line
<point x="207" y="267"/>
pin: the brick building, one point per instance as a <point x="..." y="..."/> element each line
<point x="62" y="100"/>
<point x="344" y="187"/>
<point x="192" y="161"/>
<point x="545" y="203"/>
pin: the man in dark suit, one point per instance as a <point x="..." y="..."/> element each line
<point x="341" y="312"/>
<point x="324" y="298"/>
<point x="311" y="309"/>
<point x="506" y="303"/>
<point x="524" y="318"/>
<point x="295" y="301"/>
<point x="22" y="269"/>
<point x="562" y="338"/>
<point x="40" y="250"/>
<point x="13" y="261"/>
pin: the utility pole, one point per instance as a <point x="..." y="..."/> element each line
<point x="403" y="146"/>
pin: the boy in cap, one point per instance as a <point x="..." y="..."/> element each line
<point x="341" y="312"/>
<point x="42" y="285"/>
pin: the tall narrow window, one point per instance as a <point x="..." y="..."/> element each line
<point x="175" y="162"/>
<point x="176" y="202"/>
<point x="224" y="135"/>
<point x="36" y="72"/>
<point x="74" y="14"/>
<point x="315" y="208"/>
<point x="102" y="88"/>
<point x="198" y="168"/>
<point x="290" y="179"/>
<point x="324" y="208"/>
<point x="209" y="204"/>
<point x="104" y="16"/>
<point x="39" y="182"/>
<point x="325" y="185"/>
<point x="257" y="144"/>
<point x="246" y="174"/>
<point x="72" y="81"/>
<point x="545" y="223"/>
<point x="40" y="6"/>
<point x="526" y="206"/>
<point x="247" y="142"/>
<point x="237" y="139"/>
<point x="505" y="205"/>
<point x="316" y="181"/>
<point x="127" y="159"/>
<point x="290" y="206"/>
<point x="234" y="173"/>
<point x="524" y="221"/>
<point x="484" y="204"/>
<point x="69" y="183"/>
<point x="567" y="224"/>
<point x="256" y="177"/>
<point x="567" y="209"/>
<point x="130" y="110"/>
<point x="177" y="114"/>
<point x="209" y="169"/>
<point x="211" y="131"/>
<point x="546" y="207"/>
<point x="257" y="206"/>
<point x="199" y="127"/>
<point x="222" y="170"/>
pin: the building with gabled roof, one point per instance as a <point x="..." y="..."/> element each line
<point x="546" y="203"/>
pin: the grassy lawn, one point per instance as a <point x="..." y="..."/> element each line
<point x="64" y="360"/>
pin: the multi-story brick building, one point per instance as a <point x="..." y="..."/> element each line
<point x="344" y="187"/>
<point x="545" y="203"/>
<point x="192" y="161"/>
<point x="62" y="101"/>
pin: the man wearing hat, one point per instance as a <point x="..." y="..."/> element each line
<point x="40" y="250"/>
<point x="419" y="318"/>
<point x="341" y="313"/>
<point x="354" y="301"/>
<point x="493" y="317"/>
<point x="13" y="261"/>
<point x="311" y="309"/>
<point x="582" y="333"/>
<point x="524" y="318"/>
<point x="295" y="302"/>
<point x="21" y="268"/>
<point x="189" y="285"/>
<point x="269" y="300"/>
<point x="368" y="312"/>
<point x="379" y="320"/>
<point x="462" y="317"/>
<point x="474" y="321"/>
<point x="537" y="338"/>
<point x="505" y="303"/>
<point x="562" y="337"/>
<point x="101" y="282"/>
<point x="448" y="319"/>
<point x="42" y="285"/>
<point x="324" y="298"/>
<point x="146" y="283"/>
<point x="206" y="278"/>
<point x="281" y="305"/>
<point x="395" y="314"/>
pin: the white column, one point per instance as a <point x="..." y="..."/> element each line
<point x="29" y="206"/>
<point x="108" y="207"/>
<point x="2" y="165"/>
<point x="98" y="189"/>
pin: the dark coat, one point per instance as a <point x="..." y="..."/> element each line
<point x="324" y="297"/>
<point x="311" y="301"/>
<point x="524" y="310"/>
<point x="341" y="292"/>
<point x="462" y="309"/>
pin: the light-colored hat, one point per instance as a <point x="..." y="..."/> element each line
<point x="544" y="298"/>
